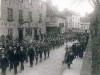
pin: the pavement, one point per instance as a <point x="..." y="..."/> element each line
<point x="75" y="67"/>
<point x="52" y="65"/>
<point x="87" y="61"/>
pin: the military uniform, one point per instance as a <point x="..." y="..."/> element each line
<point x="4" y="64"/>
<point x="22" y="57"/>
<point x="31" y="54"/>
<point x="45" y="51"/>
<point x="10" y="54"/>
<point x="16" y="60"/>
<point x="40" y="51"/>
<point x="36" y="52"/>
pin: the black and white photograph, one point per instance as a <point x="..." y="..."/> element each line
<point x="49" y="37"/>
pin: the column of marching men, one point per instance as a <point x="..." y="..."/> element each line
<point x="15" y="53"/>
<point x="76" y="50"/>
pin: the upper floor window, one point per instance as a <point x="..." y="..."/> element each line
<point x="41" y="5"/>
<point x="40" y="18"/>
<point x="73" y="17"/>
<point x="21" y="16"/>
<point x="30" y="1"/>
<point x="20" y="0"/>
<point x="30" y="16"/>
<point x="10" y="14"/>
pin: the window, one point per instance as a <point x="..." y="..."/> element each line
<point x="10" y="14"/>
<point x="28" y="31"/>
<point x="21" y="17"/>
<point x="61" y="25"/>
<point x="73" y="17"/>
<point x="30" y="16"/>
<point x="40" y="18"/>
<point x="30" y="1"/>
<point x="21" y="1"/>
<point x="41" y="5"/>
<point x="10" y="31"/>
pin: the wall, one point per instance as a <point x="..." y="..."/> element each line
<point x="26" y="7"/>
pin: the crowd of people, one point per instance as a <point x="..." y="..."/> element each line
<point x="76" y="50"/>
<point x="15" y="52"/>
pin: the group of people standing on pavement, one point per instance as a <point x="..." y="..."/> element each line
<point x="76" y="50"/>
<point x="15" y="53"/>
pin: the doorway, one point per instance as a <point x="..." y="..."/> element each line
<point x="36" y="36"/>
<point x="20" y="32"/>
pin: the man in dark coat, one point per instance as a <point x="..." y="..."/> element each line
<point x="74" y="49"/>
<point x="36" y="52"/>
<point x="4" y="64"/>
<point x="45" y="50"/>
<point x="70" y="58"/>
<point x="31" y="54"/>
<point x="40" y="50"/>
<point x="16" y="59"/>
<point x="81" y="51"/>
<point x="10" y="54"/>
<point x="22" y="57"/>
<point x="77" y="49"/>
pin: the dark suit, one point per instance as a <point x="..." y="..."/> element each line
<point x="22" y="58"/>
<point x="4" y="64"/>
<point x="31" y="54"/>
<point x="16" y="61"/>
<point x="10" y="54"/>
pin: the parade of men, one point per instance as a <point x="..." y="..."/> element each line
<point x="17" y="54"/>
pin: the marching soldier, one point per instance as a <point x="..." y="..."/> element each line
<point x="16" y="59"/>
<point x="36" y="52"/>
<point x="40" y="50"/>
<point x="10" y="54"/>
<point x="48" y="49"/>
<point x="67" y="49"/>
<point x="31" y="54"/>
<point x="4" y="64"/>
<point x="81" y="51"/>
<point x="45" y="50"/>
<point x="22" y="57"/>
<point x="74" y="49"/>
<point x="70" y="58"/>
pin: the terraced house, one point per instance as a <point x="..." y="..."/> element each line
<point x="22" y="19"/>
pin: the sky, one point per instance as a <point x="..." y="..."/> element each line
<point x="82" y="7"/>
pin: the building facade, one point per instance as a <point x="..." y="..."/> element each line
<point x="55" y="23"/>
<point x="23" y="19"/>
<point x="74" y="22"/>
<point x="85" y="24"/>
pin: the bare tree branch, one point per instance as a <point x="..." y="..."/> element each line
<point x="92" y="3"/>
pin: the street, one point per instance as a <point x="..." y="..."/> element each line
<point x="52" y="65"/>
<point x="75" y="67"/>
